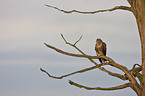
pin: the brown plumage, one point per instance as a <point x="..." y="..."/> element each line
<point x="100" y="49"/>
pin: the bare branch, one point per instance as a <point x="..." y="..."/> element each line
<point x="69" y="43"/>
<point x="135" y="71"/>
<point x="130" y="2"/>
<point x="99" y="88"/>
<point x="112" y="63"/>
<point x="76" y="55"/>
<point x="101" y="68"/>
<point x="78" y="40"/>
<point x="122" y="77"/>
<point x="135" y="66"/>
<point x="64" y="39"/>
<point x="73" y="45"/>
<point x="126" y="71"/>
<point x="63" y="52"/>
<point x="93" y="12"/>
<point x="49" y="74"/>
<point x="139" y="76"/>
<point x="90" y="58"/>
<point x="80" y="71"/>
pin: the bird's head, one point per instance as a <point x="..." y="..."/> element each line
<point x="98" y="40"/>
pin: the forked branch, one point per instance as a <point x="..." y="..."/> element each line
<point x="91" y="60"/>
<point x="69" y="43"/>
<point x="77" y="55"/>
<point x="89" y="57"/>
<point x="110" y="62"/>
<point x="93" y="12"/>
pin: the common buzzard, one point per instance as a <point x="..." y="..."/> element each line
<point x="100" y="48"/>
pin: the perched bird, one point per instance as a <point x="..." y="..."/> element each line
<point x="100" y="49"/>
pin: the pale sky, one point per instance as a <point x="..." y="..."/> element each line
<point x="25" y="26"/>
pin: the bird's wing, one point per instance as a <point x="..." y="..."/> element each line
<point x="96" y="49"/>
<point x="104" y="48"/>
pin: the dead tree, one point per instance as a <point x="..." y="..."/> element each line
<point x="138" y="10"/>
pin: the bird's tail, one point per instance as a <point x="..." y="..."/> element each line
<point x="102" y="60"/>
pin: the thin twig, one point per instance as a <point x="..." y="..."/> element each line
<point x="99" y="88"/>
<point x="93" y="12"/>
<point x="64" y="39"/>
<point x="78" y="40"/>
<point x="68" y="42"/>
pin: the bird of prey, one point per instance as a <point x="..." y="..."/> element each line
<point x="100" y="49"/>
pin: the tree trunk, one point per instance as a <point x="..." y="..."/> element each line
<point x="138" y="8"/>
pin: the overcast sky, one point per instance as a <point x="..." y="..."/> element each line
<point x="26" y="24"/>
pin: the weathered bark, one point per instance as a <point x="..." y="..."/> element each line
<point x="138" y="9"/>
